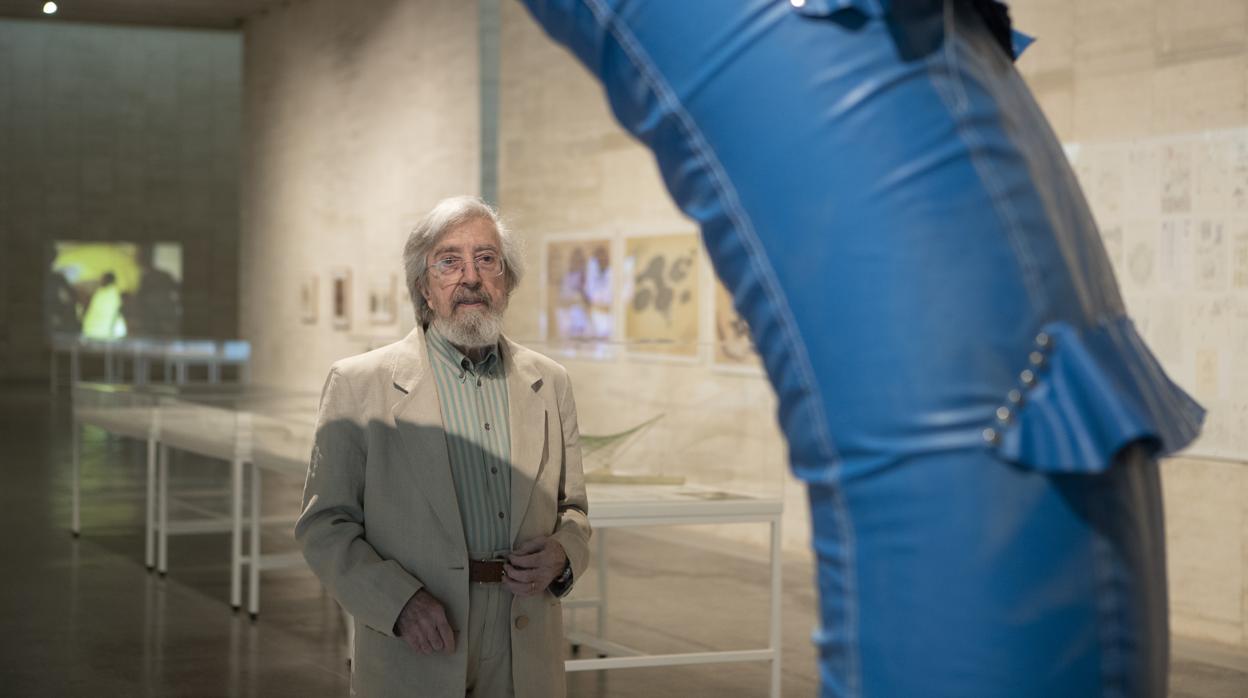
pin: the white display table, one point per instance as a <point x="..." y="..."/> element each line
<point x="628" y="506"/>
<point x="176" y="357"/>
<point x="256" y="429"/>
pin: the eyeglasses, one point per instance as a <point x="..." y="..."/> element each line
<point x="451" y="267"/>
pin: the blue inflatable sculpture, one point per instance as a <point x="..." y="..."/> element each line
<point x="974" y="414"/>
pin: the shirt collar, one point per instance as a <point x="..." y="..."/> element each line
<point x="444" y="350"/>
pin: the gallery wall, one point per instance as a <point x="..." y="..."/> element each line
<point x="116" y="134"/>
<point x="359" y="117"/>
<point x="1151" y="99"/>
<point x="359" y="120"/>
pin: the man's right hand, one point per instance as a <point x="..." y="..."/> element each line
<point x="422" y="624"/>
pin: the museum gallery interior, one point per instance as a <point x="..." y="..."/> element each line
<point x="908" y="344"/>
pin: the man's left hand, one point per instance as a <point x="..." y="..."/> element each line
<point x="533" y="565"/>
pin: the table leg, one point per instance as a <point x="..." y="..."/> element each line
<point x="776" y="589"/>
<point x="253" y="553"/>
<point x="149" y="527"/>
<point x="162" y="554"/>
<point x="236" y="533"/>
<point x="75" y="518"/>
<point x="601" y="535"/>
<point x="350" y="622"/>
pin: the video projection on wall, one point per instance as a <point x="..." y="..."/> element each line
<point x="114" y="290"/>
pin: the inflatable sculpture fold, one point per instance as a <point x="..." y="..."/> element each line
<point x="974" y="414"/>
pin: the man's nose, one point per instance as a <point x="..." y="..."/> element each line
<point x="471" y="276"/>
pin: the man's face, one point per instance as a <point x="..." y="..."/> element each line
<point x="469" y="300"/>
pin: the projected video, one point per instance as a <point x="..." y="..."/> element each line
<point x="114" y="290"/>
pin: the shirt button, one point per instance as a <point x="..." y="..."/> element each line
<point x="478" y="382"/>
<point x="522" y="622"/>
<point x="494" y="470"/>
<point x="500" y="514"/>
<point x="487" y="426"/>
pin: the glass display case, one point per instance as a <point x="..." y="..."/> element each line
<point x="667" y="413"/>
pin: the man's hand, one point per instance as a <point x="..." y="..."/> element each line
<point x="422" y="624"/>
<point x="533" y="565"/>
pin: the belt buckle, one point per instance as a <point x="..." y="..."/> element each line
<point x="502" y="573"/>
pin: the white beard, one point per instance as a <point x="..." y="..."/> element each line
<point x="471" y="330"/>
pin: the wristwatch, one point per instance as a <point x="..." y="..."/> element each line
<point x="567" y="574"/>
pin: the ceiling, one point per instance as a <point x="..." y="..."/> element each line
<point x="204" y="14"/>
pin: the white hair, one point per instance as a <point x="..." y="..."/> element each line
<point x="447" y="215"/>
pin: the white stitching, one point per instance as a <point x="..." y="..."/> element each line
<point x="770" y="288"/>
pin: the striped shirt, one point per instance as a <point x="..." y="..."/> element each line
<point x="478" y="438"/>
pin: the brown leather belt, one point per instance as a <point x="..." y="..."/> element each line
<point x="485" y="571"/>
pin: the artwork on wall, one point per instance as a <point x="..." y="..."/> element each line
<point x="661" y="294"/>
<point x="307" y="299"/>
<point x="1171" y="211"/>
<point x="340" y="297"/>
<point x="733" y="345"/>
<point x="110" y="290"/>
<point x="579" y="290"/>
<point x="382" y="299"/>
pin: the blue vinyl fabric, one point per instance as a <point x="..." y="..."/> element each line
<point x="974" y="414"/>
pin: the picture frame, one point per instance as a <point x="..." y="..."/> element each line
<point x="382" y="299"/>
<point x="308" y="299"/>
<point x="733" y="347"/>
<point x="340" y="298"/>
<point x="661" y="294"/>
<point x="579" y="308"/>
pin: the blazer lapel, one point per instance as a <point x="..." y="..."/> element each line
<point x="528" y="429"/>
<point x="418" y="418"/>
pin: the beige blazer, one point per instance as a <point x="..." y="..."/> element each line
<point x="380" y="519"/>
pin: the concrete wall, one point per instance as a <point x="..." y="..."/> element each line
<point x="1125" y="76"/>
<point x="359" y="116"/>
<point x="111" y="133"/>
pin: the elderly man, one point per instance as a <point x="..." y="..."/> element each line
<point x="444" y="506"/>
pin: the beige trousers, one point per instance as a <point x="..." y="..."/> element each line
<point x="489" y="642"/>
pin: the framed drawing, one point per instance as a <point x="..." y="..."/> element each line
<point x="382" y="301"/>
<point x="307" y="299"/>
<point x="579" y="290"/>
<point x="661" y="294"/>
<point x="734" y="347"/>
<point x="340" y="297"/>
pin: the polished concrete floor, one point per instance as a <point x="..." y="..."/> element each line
<point x="83" y="617"/>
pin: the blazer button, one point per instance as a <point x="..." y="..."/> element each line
<point x="522" y="622"/>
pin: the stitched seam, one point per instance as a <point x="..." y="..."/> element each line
<point x="986" y="171"/>
<point x="1109" y="605"/>
<point x="719" y="180"/>
<point x="727" y="196"/>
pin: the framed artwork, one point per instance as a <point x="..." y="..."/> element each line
<point x="733" y="345"/>
<point x="660" y="275"/>
<point x="340" y="297"/>
<point x="579" y="288"/>
<point x="382" y="299"/>
<point x="307" y="299"/>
